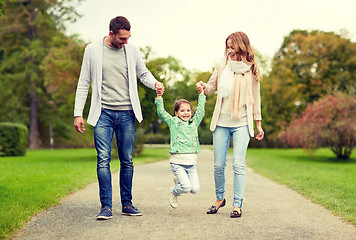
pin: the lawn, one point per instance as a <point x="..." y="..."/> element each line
<point x="319" y="177"/>
<point x="37" y="181"/>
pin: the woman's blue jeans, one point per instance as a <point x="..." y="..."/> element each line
<point x="123" y="124"/>
<point x="221" y="141"/>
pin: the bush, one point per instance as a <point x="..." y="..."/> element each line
<point x="13" y="139"/>
<point x="158" y="138"/>
<point x="205" y="136"/>
<point x="140" y="139"/>
<point x="329" y="122"/>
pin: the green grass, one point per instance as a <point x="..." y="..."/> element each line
<point x="37" y="181"/>
<point x="319" y="177"/>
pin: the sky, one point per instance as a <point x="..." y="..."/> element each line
<point x="194" y="31"/>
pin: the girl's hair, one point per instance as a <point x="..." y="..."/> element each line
<point x="243" y="50"/>
<point x="179" y="102"/>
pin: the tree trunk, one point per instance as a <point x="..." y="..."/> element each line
<point x="34" y="140"/>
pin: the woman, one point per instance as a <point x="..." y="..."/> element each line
<point x="238" y="103"/>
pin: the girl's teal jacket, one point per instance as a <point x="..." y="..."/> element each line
<point x="184" y="134"/>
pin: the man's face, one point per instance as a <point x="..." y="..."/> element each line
<point x="119" y="39"/>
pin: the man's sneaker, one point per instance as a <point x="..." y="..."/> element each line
<point x="105" y="214"/>
<point x="173" y="199"/>
<point x="131" y="211"/>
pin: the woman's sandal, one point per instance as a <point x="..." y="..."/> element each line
<point x="235" y="214"/>
<point x="213" y="209"/>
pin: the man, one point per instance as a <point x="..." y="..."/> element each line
<point x="111" y="65"/>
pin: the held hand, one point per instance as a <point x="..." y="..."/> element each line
<point x="159" y="88"/>
<point x="200" y="86"/>
<point x="79" y="124"/>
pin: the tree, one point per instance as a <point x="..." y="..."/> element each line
<point x="171" y="73"/>
<point x="308" y="66"/>
<point x="329" y="122"/>
<point x="1" y="11"/>
<point x="61" y="68"/>
<point x="26" y="31"/>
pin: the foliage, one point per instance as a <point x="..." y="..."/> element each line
<point x="320" y="177"/>
<point x="1" y="7"/>
<point x="61" y="69"/>
<point x="329" y="122"/>
<point x="13" y="139"/>
<point x="177" y="82"/>
<point x="28" y="31"/>
<point x="140" y="139"/>
<point x="158" y="138"/>
<point x="308" y="66"/>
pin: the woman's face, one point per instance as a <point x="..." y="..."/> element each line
<point x="231" y="51"/>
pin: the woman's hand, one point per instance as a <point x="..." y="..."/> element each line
<point x="200" y="86"/>
<point x="261" y="133"/>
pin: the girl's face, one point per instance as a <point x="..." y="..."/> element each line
<point x="184" y="112"/>
<point x="231" y="51"/>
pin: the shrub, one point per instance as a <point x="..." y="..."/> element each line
<point x="140" y="139"/>
<point x="13" y="139"/>
<point x="158" y="138"/>
<point x="329" y="122"/>
<point x="205" y="136"/>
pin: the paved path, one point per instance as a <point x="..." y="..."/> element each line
<point x="270" y="211"/>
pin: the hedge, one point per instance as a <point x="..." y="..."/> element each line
<point x="13" y="139"/>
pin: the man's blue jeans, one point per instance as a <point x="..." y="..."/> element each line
<point x="123" y="124"/>
<point x="221" y="141"/>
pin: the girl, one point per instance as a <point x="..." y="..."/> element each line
<point x="237" y="105"/>
<point x="184" y="144"/>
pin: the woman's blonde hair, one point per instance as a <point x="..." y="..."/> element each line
<point x="243" y="50"/>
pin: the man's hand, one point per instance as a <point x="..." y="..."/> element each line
<point x="79" y="124"/>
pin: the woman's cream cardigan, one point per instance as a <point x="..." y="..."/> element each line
<point x="253" y="109"/>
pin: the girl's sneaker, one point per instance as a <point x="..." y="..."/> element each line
<point x="173" y="199"/>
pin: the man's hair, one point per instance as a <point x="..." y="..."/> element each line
<point x="119" y="23"/>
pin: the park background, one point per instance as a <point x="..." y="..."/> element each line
<point x="306" y="52"/>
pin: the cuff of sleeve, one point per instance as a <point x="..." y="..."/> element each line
<point x="78" y="113"/>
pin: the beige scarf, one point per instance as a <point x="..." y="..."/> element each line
<point x="235" y="85"/>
